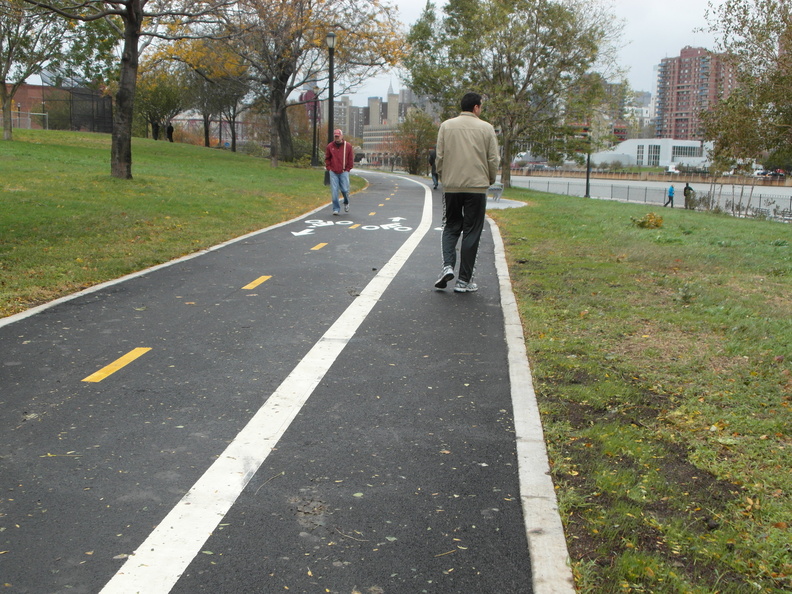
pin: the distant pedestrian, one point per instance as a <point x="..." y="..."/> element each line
<point x="688" y="194"/>
<point x="467" y="164"/>
<point x="339" y="159"/>
<point x="670" y="197"/>
<point x="433" y="165"/>
<point x="169" y="132"/>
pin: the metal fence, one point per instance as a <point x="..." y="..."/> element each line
<point x="27" y="120"/>
<point x="67" y="109"/>
<point x="725" y="198"/>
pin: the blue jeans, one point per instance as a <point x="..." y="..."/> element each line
<point x="339" y="181"/>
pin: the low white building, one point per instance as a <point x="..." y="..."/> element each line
<point x="656" y="152"/>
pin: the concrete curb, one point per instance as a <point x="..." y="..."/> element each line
<point x="547" y="547"/>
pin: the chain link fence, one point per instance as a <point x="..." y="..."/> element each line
<point x="73" y="108"/>
<point x="732" y="199"/>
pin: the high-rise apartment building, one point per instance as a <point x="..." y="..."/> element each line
<point x="686" y="86"/>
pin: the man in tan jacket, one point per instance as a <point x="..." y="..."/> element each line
<point x="467" y="163"/>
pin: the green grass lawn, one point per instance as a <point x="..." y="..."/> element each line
<point x="661" y="356"/>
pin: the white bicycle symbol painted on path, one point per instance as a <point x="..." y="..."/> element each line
<point x="313" y="224"/>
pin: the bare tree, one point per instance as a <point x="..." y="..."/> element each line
<point x="31" y="38"/>
<point x="284" y="45"/>
<point x="134" y="19"/>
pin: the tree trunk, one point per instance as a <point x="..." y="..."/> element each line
<point x="5" y="100"/>
<point x="274" y="141"/>
<point x="281" y="140"/>
<point x="284" y="135"/>
<point x="232" y="124"/>
<point x="206" y="123"/>
<point x="121" y="147"/>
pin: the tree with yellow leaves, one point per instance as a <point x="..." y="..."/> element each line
<point x="218" y="83"/>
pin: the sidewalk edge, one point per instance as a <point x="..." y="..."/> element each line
<point x="550" y="563"/>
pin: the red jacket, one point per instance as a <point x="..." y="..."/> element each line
<point x="339" y="157"/>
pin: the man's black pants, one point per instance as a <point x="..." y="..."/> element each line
<point x="463" y="214"/>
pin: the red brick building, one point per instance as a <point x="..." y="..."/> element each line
<point x="74" y="108"/>
<point x="27" y="99"/>
<point x="687" y="85"/>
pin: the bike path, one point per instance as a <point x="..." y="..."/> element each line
<point x="398" y="472"/>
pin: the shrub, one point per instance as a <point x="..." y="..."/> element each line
<point x="649" y="221"/>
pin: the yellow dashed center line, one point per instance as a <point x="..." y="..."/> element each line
<point x="256" y="282"/>
<point x="117" y="364"/>
<point x="318" y="246"/>
<point x="356" y="225"/>
<point x="371" y="214"/>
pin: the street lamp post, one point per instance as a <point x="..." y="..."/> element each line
<point x="588" y="167"/>
<point x="314" y="156"/>
<point x="331" y="42"/>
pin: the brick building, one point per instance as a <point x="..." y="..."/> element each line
<point x="28" y="98"/>
<point x="686" y="86"/>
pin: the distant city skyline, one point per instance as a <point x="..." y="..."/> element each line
<point x="652" y="31"/>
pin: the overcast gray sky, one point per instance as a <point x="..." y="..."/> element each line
<point x="652" y="31"/>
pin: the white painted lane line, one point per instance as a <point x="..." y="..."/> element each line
<point x="165" y="554"/>
<point x="547" y="546"/>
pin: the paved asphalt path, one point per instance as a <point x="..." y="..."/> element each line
<point x="297" y="410"/>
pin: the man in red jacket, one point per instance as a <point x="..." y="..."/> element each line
<point x="339" y="159"/>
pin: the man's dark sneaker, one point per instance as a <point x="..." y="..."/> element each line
<point x="447" y="275"/>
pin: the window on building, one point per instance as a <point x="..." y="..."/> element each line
<point x="654" y="155"/>
<point x="685" y="151"/>
<point x="639" y="156"/>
